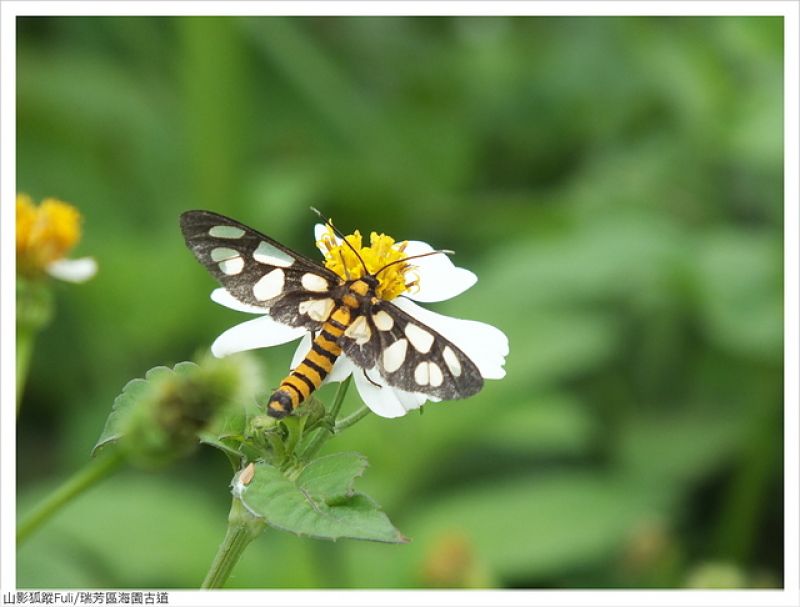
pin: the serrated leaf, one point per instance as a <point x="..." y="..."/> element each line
<point x="331" y="478"/>
<point x="185" y="367"/>
<point x="157" y="372"/>
<point x="321" y="502"/>
<point x="133" y="391"/>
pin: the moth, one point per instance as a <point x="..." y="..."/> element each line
<point x="345" y="316"/>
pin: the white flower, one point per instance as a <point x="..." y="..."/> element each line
<point x="431" y="279"/>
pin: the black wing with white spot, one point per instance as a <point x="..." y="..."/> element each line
<point x="258" y="271"/>
<point x="410" y="355"/>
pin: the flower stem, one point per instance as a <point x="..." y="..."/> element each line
<point x="351" y="419"/>
<point x="339" y="398"/>
<point x="322" y="435"/>
<point x="94" y="471"/>
<point x="25" y="339"/>
<point x="34" y="311"/>
<point x="243" y="528"/>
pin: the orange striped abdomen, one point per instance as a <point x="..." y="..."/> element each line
<point x="310" y="373"/>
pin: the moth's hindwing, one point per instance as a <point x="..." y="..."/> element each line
<point x="258" y="271"/>
<point x="410" y="355"/>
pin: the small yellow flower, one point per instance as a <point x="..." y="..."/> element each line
<point x="45" y="234"/>
<point x="382" y="251"/>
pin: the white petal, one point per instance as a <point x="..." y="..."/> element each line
<point x="439" y="278"/>
<point x="223" y="298"/>
<point x="302" y="350"/>
<point x="386" y="401"/>
<point x="257" y="333"/>
<point x="73" y="270"/>
<point x="412" y="400"/>
<point x="486" y="345"/>
<point x="381" y="400"/>
<point x="341" y="368"/>
<point x="321" y="230"/>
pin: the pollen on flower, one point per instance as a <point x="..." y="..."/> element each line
<point x="45" y="233"/>
<point x="382" y="250"/>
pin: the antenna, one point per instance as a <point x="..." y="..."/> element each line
<point x="344" y="239"/>
<point x="428" y="254"/>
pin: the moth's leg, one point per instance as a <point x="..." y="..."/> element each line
<point x="377" y="385"/>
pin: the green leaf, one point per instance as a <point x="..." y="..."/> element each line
<point x="133" y="392"/>
<point x="321" y="502"/>
<point x="331" y="478"/>
<point x="231" y="421"/>
<point x="232" y="453"/>
<point x="112" y="432"/>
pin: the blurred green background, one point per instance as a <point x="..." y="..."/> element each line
<point x="616" y="184"/>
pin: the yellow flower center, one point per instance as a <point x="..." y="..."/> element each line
<point x="45" y="233"/>
<point x="382" y="250"/>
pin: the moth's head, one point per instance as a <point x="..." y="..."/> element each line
<point x="372" y="281"/>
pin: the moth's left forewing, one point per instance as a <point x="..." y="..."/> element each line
<point x="410" y="355"/>
<point x="259" y="271"/>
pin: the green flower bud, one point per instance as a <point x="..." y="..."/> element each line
<point x="158" y="419"/>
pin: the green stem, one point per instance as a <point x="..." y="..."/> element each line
<point x="322" y="435"/>
<point x="295" y="427"/>
<point x="94" y="471"/>
<point x="34" y="311"/>
<point x="243" y="528"/>
<point x="339" y="398"/>
<point x="351" y="419"/>
<point x="25" y="338"/>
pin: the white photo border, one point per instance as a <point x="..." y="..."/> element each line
<point x="788" y="9"/>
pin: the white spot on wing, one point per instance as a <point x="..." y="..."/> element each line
<point x="383" y="321"/>
<point x="428" y="373"/>
<point x="451" y="360"/>
<point x="223" y="253"/>
<point x="419" y="338"/>
<point x="317" y="309"/>
<point x="312" y="282"/>
<point x="421" y="375"/>
<point x="226" y="232"/>
<point x="394" y="355"/>
<point x="359" y="331"/>
<point x="435" y="374"/>
<point x="270" y="285"/>
<point x="233" y="266"/>
<point x="273" y="256"/>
